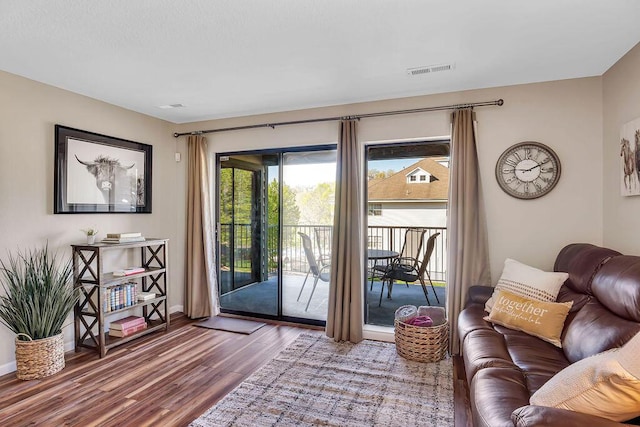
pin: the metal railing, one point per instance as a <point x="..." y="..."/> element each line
<point x="293" y="257"/>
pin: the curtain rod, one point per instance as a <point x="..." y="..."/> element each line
<point x="499" y="102"/>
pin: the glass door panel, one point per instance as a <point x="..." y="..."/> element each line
<point x="245" y="282"/>
<point x="308" y="193"/>
<point x="407" y="191"/>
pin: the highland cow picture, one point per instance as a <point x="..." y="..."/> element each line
<point x="98" y="173"/>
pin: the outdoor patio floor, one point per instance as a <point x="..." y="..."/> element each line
<point x="261" y="298"/>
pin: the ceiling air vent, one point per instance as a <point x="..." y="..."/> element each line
<point x="428" y="69"/>
<point x="171" y="106"/>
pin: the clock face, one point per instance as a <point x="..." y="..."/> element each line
<point x="528" y="170"/>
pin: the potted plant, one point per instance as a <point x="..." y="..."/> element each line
<point x="38" y="297"/>
<point x="91" y="235"/>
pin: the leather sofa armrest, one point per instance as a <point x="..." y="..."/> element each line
<point x="478" y="295"/>
<point x="538" y="416"/>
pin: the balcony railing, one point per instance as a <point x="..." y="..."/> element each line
<point x="293" y="257"/>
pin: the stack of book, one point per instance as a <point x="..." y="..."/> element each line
<point x="129" y="271"/>
<point x="146" y="296"/>
<point x="120" y="296"/>
<point x="123" y="238"/>
<point x="127" y="326"/>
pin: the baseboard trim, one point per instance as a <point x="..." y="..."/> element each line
<point x="378" y="333"/>
<point x="10" y="367"/>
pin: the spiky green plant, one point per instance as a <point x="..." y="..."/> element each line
<point x="38" y="293"/>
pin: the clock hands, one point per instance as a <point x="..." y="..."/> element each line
<point x="527" y="170"/>
<point x="532" y="168"/>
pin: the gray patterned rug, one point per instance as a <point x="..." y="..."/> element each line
<point x="318" y="382"/>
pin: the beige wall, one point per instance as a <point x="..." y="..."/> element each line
<point x="566" y="115"/>
<point x="28" y="113"/>
<point x="621" y="100"/>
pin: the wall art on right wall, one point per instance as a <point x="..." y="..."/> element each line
<point x="630" y="158"/>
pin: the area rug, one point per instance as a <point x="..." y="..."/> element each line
<point x="230" y="324"/>
<point x="318" y="382"/>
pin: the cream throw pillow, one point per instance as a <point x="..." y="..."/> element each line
<point x="527" y="281"/>
<point x="606" y="385"/>
<point x="541" y="319"/>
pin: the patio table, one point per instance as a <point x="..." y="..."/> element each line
<point x="378" y="255"/>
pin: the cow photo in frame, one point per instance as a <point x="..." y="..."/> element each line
<point x="100" y="174"/>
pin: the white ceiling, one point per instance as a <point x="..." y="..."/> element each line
<point x="225" y="58"/>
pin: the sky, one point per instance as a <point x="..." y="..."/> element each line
<point x="313" y="174"/>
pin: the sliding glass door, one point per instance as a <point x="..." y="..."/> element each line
<point x="269" y="204"/>
<point x="407" y="192"/>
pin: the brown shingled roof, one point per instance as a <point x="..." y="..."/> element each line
<point x="396" y="187"/>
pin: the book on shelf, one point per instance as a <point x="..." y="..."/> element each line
<point x="128" y="331"/>
<point x="120" y="296"/>
<point x="123" y="239"/>
<point x="123" y="235"/>
<point x="146" y="296"/>
<point x="129" y="271"/>
<point x="126" y="323"/>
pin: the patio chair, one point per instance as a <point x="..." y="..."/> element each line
<point x="411" y="247"/>
<point x="323" y="236"/>
<point x="411" y="273"/>
<point x="319" y="272"/>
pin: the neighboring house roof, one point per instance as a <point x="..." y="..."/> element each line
<point x="396" y="187"/>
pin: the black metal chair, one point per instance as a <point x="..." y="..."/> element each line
<point x="411" y="247"/>
<point x="411" y="272"/>
<point x="319" y="272"/>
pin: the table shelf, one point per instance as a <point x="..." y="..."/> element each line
<point x="90" y="317"/>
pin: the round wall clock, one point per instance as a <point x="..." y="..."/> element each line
<point x="528" y="170"/>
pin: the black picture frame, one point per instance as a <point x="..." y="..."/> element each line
<point x="97" y="173"/>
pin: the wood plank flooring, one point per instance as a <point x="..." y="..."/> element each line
<point x="162" y="379"/>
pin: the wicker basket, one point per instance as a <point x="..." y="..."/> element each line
<point x="39" y="358"/>
<point x="420" y="343"/>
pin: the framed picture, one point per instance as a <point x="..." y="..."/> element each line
<point x="100" y="174"/>
<point x="630" y="158"/>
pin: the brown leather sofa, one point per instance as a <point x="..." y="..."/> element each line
<point x="505" y="367"/>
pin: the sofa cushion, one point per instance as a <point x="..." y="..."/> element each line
<point x="495" y="393"/>
<point x="606" y="385"/>
<point x="617" y="286"/>
<point x="539" y="361"/>
<point x="582" y="261"/>
<point x="538" y="318"/>
<point x="528" y="281"/>
<point x="593" y="330"/>
<point x="484" y="348"/>
<point x="567" y="294"/>
<point x="471" y="319"/>
<point x="543" y="416"/>
<point x="611" y="316"/>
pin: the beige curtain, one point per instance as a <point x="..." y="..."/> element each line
<point x="468" y="255"/>
<point x="200" y="281"/>
<point x="344" y="320"/>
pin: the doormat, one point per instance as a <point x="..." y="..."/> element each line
<point x="231" y="325"/>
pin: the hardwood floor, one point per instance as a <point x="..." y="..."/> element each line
<point x="162" y="379"/>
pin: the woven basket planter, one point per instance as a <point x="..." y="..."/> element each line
<point x="39" y="358"/>
<point x="422" y="344"/>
